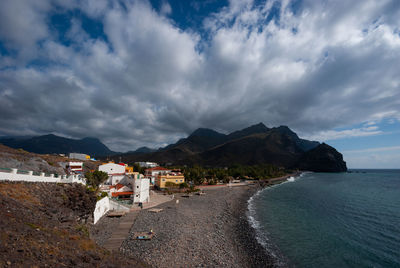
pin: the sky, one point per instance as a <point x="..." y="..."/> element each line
<point x="146" y="73"/>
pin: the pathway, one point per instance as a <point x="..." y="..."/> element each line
<point x="121" y="232"/>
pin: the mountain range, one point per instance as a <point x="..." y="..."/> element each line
<point x="52" y="144"/>
<point x="256" y="144"/>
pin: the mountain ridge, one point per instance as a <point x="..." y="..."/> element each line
<point x="50" y="144"/>
<point x="256" y="144"/>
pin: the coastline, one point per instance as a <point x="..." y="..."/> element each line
<point x="208" y="230"/>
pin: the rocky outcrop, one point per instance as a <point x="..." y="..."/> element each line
<point x="323" y="158"/>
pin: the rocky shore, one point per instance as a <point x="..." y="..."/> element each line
<point x="200" y="231"/>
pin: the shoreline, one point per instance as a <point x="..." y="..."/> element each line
<point x="202" y="231"/>
<point x="273" y="253"/>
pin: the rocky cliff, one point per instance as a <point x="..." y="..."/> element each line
<point x="323" y="158"/>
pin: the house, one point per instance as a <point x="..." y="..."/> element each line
<point x="74" y="167"/>
<point x="161" y="180"/>
<point x="79" y="156"/>
<point x="116" y="172"/>
<point x="141" y="190"/>
<point x="152" y="173"/>
<point x="121" y="191"/>
<point x="147" y="164"/>
<point x="128" y="187"/>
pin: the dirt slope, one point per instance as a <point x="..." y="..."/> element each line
<point x="46" y="224"/>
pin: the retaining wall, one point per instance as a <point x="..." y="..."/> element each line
<point x="29" y="177"/>
<point x="104" y="205"/>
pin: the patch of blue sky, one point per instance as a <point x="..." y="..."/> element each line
<point x="4" y="51"/>
<point x="190" y="13"/>
<point x="61" y="23"/>
<point x="388" y="136"/>
<point x="275" y="13"/>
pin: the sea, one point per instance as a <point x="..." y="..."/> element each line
<point x="331" y="219"/>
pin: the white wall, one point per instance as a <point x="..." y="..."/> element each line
<point x="103" y="206"/>
<point x="77" y="156"/>
<point x="13" y="176"/>
<point x="114" y="179"/>
<point x="111" y="168"/>
<point x="141" y="190"/>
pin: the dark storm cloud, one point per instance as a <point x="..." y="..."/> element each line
<point x="147" y="83"/>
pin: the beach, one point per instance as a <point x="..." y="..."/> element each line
<point x="200" y="231"/>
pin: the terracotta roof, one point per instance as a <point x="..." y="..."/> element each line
<point x="121" y="193"/>
<point x="118" y="186"/>
<point x="156" y="168"/>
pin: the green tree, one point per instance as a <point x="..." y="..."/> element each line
<point x="95" y="178"/>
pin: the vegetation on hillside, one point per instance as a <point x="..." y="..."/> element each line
<point x="199" y="175"/>
<point x="95" y="178"/>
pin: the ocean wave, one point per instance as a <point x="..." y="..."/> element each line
<point x="261" y="235"/>
<point x="290" y="179"/>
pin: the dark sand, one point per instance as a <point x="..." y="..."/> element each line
<point x="200" y="231"/>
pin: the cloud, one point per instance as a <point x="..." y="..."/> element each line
<point x="165" y="8"/>
<point x="380" y="157"/>
<point x="379" y="149"/>
<point x="329" y="135"/>
<point x="316" y="67"/>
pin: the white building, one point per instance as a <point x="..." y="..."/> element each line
<point x="79" y="156"/>
<point x="74" y="167"/>
<point x="116" y="172"/>
<point x="147" y="164"/>
<point x="141" y="190"/>
<point x="152" y="173"/>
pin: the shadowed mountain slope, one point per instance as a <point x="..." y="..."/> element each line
<point x="49" y="144"/>
<point x="256" y="144"/>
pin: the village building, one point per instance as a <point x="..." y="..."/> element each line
<point x="162" y="180"/>
<point x="116" y="172"/>
<point x="152" y="173"/>
<point x="74" y="167"/>
<point x="79" y="156"/>
<point x="141" y="190"/>
<point x="147" y="164"/>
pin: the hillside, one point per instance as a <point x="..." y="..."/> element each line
<point x="23" y="160"/>
<point x="46" y="225"/>
<point x="256" y="144"/>
<point x="52" y="144"/>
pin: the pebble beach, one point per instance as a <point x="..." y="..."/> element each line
<point x="208" y="230"/>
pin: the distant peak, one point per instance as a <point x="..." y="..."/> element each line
<point x="90" y="139"/>
<point x="205" y="132"/>
<point x="284" y="129"/>
<point x="48" y="135"/>
<point x="259" y="126"/>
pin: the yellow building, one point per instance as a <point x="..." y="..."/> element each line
<point x="128" y="170"/>
<point x="161" y="180"/>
